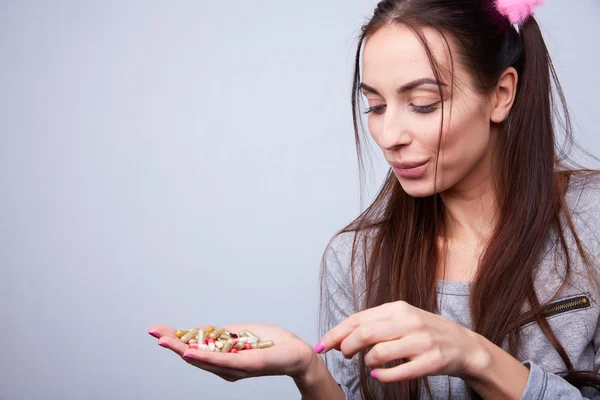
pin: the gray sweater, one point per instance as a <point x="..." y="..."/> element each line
<point x="576" y="327"/>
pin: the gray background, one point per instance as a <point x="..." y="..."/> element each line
<point x="184" y="163"/>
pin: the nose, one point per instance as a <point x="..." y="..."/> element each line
<point x="394" y="131"/>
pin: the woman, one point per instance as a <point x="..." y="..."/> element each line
<point x="474" y="271"/>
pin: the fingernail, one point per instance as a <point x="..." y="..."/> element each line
<point x="154" y="334"/>
<point x="163" y="345"/>
<point x="320" y="347"/>
<point x="373" y="374"/>
<point x="187" y="356"/>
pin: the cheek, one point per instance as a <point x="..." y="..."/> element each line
<point x="373" y="127"/>
<point x="464" y="142"/>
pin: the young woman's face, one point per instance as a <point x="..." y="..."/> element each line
<point x="405" y="112"/>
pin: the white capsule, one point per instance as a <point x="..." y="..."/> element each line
<point x="251" y="340"/>
<point x="203" y="347"/>
<point x="211" y="346"/>
<point x="219" y="345"/>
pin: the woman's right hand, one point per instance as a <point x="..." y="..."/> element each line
<point x="289" y="356"/>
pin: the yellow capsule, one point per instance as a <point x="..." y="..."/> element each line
<point x="227" y="346"/>
<point x="265" y="345"/>
<point x="186" y="338"/>
<point x="210" y="330"/>
<point x="192" y="340"/>
<point x="180" y="333"/>
<point x="216" y="333"/>
<point x="254" y="345"/>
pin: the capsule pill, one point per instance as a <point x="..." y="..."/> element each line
<point x="217" y="339"/>
<point x="240" y="344"/>
<point x="216" y="333"/>
<point x="186" y="338"/>
<point x="201" y="336"/>
<point x="250" y="334"/>
<point x="227" y="346"/>
<point x="265" y="345"/>
<point x="180" y="333"/>
<point x="224" y="338"/>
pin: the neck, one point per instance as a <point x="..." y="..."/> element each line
<point x="470" y="207"/>
<point x="470" y="215"/>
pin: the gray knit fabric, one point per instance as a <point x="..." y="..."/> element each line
<point x="577" y="330"/>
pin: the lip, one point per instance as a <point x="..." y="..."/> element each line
<point x="409" y="169"/>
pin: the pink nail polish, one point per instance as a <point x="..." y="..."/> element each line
<point x="187" y="356"/>
<point x="154" y="334"/>
<point x="373" y="374"/>
<point x="320" y="347"/>
<point x="163" y="345"/>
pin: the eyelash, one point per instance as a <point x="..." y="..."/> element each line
<point x="418" y="109"/>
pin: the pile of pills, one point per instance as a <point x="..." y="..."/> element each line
<point x="220" y="340"/>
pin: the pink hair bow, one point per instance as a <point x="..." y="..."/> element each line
<point x="517" y="11"/>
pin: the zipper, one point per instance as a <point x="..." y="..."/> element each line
<point x="559" y="307"/>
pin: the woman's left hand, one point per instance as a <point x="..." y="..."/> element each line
<point x="433" y="344"/>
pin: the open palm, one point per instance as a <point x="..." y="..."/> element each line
<point x="290" y="356"/>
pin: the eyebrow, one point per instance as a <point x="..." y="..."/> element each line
<point x="406" y="87"/>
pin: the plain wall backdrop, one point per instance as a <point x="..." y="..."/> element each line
<point x="184" y="163"/>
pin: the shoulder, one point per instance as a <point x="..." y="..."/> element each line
<point x="583" y="194"/>
<point x="347" y="249"/>
<point x="344" y="262"/>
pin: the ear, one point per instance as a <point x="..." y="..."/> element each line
<point x="503" y="96"/>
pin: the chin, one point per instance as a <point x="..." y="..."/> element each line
<point x="417" y="187"/>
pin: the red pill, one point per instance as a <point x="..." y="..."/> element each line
<point x="247" y="346"/>
<point x="209" y="340"/>
<point x="233" y="350"/>
<point x="193" y="345"/>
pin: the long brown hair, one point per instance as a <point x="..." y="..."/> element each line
<point x="530" y="182"/>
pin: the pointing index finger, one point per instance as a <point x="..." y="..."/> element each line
<point x="335" y="336"/>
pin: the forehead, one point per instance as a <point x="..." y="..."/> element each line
<point x="395" y="52"/>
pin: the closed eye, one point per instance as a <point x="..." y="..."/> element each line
<point x="375" y="109"/>
<point x="425" y="109"/>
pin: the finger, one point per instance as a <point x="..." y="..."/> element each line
<point x="333" y="338"/>
<point x="426" y="364"/>
<point x="173" y="343"/>
<point x="372" y="333"/>
<point x="410" y="346"/>
<point x="159" y="331"/>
